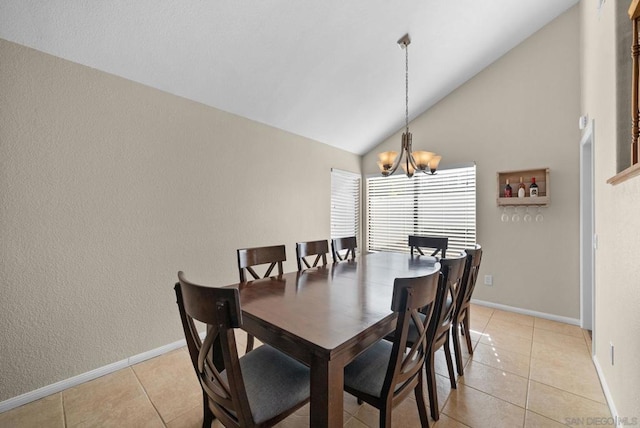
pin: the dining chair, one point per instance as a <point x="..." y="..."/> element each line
<point x="438" y="243"/>
<point x="462" y="314"/>
<point x="348" y="245"/>
<point x="386" y="372"/>
<point x="451" y="273"/>
<point x="311" y="248"/>
<point x="250" y="257"/>
<point x="257" y="390"/>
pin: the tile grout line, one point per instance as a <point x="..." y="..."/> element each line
<point x="64" y="411"/>
<point x="455" y="371"/>
<point x="514" y="374"/>
<point x="146" y="394"/>
<point x="553" y="386"/>
<point x="572" y="393"/>
<point x="494" y="368"/>
<point x="505" y="370"/>
<point x="471" y="387"/>
<point x="451" y="417"/>
<point x="557" y="332"/>
<point x="568" y="392"/>
<point x="526" y="401"/>
<point x="524" y="415"/>
<point x="491" y="395"/>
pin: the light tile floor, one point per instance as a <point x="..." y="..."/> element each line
<point x="524" y="372"/>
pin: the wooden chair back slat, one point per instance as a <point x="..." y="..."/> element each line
<point x="311" y="248"/>
<point x="438" y="243"/>
<point x="250" y="257"/>
<point x="348" y="245"/>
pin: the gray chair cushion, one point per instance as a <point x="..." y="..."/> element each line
<point x="366" y="373"/>
<point x="274" y="382"/>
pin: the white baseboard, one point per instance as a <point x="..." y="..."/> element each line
<point x="566" y="320"/>
<point x="607" y="392"/>
<point x="84" y="377"/>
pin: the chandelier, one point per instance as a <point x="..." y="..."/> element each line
<point x="422" y="161"/>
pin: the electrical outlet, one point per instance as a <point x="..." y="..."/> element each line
<point x="612" y="353"/>
<point x="488" y="280"/>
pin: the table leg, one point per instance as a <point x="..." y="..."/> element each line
<point x="327" y="378"/>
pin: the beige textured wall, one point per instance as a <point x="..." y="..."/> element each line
<point x="108" y="188"/>
<point x="617" y="279"/>
<point x="519" y="113"/>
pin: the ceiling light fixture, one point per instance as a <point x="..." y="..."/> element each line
<point x="426" y="162"/>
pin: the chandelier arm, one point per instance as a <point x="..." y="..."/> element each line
<point x="396" y="163"/>
<point x="409" y="151"/>
<point x="429" y="171"/>
<point x="412" y="161"/>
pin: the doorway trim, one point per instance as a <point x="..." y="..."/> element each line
<point x="587" y="231"/>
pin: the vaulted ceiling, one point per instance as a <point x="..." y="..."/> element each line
<point x="328" y="70"/>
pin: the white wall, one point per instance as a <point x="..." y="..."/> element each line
<point x="519" y="113"/>
<point x="108" y="188"/>
<point x="617" y="271"/>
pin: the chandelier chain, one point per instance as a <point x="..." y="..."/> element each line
<point x="406" y="87"/>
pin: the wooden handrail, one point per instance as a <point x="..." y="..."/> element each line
<point x="634" y="9"/>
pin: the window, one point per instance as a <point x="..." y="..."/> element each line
<point x="345" y="203"/>
<point x="433" y="205"/>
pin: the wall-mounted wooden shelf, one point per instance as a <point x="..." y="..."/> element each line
<point x="542" y="180"/>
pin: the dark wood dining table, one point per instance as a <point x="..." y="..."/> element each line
<point x="325" y="317"/>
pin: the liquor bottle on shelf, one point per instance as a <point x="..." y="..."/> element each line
<point x="521" y="189"/>
<point x="533" y="188"/>
<point x="508" y="192"/>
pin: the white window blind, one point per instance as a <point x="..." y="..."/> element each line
<point x="345" y="203"/>
<point x="430" y="205"/>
